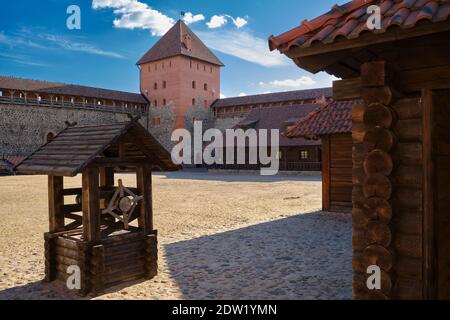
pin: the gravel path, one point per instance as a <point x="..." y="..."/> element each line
<point x="269" y="242"/>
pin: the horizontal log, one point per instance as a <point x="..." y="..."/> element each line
<point x="408" y="245"/>
<point x="377" y="209"/>
<point x="379" y="256"/>
<point x="408" y="153"/>
<point x="406" y="267"/>
<point x="124" y="276"/>
<point x="69" y="253"/>
<point x="347" y="89"/>
<point x="359" y="218"/>
<point x="378" y="114"/>
<point x="378" y="161"/>
<point x="382" y="95"/>
<point x="117" y="250"/>
<point x="408" y="108"/>
<point x="377" y="185"/>
<point x="408" y="198"/>
<point x="358" y="132"/>
<point x="378" y="233"/>
<point x="358" y="153"/>
<point x="408" y="289"/>
<point x="379" y="138"/>
<point x="358" y="113"/>
<point x="66" y="260"/>
<point x="66" y="243"/>
<point x="358" y="239"/>
<point x="358" y="263"/>
<point x="409" y="130"/>
<point x="408" y="176"/>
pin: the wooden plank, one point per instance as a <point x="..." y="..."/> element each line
<point x="91" y="210"/>
<point x="55" y="203"/>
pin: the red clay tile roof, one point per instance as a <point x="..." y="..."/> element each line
<point x="171" y="45"/>
<point x="39" y="86"/>
<point x="349" y="21"/>
<point x="286" y="96"/>
<point x="280" y="118"/>
<point x="333" y="118"/>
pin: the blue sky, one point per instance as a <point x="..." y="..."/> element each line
<point x="36" y="43"/>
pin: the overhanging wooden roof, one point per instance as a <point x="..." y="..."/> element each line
<point x="337" y="35"/>
<point x="73" y="149"/>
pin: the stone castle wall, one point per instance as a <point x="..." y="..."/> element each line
<point x="23" y="128"/>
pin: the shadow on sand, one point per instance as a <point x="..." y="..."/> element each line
<point x="306" y="256"/>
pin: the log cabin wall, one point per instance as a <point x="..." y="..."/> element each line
<point x="388" y="192"/>
<point x="337" y="172"/>
<point x="441" y="156"/>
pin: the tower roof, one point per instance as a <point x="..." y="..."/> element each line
<point x="173" y="44"/>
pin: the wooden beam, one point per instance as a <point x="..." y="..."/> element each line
<point x="144" y="186"/>
<point x="90" y="204"/>
<point x="429" y="240"/>
<point x="55" y="203"/>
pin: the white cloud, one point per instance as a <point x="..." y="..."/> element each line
<point x="239" y="22"/>
<point x="216" y="22"/>
<point x="190" y="18"/>
<point x="44" y="41"/>
<point x="242" y="94"/>
<point x="222" y="96"/>
<point x="301" y="82"/>
<point x="243" y="45"/>
<point x="136" y="15"/>
<point x="220" y="20"/>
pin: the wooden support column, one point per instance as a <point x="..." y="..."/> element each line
<point x="55" y="203"/>
<point x="326" y="183"/>
<point x="144" y="186"/>
<point x="374" y="144"/>
<point x="106" y="177"/>
<point x="90" y="204"/>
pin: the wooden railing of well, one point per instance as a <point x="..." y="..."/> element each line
<point x="387" y="188"/>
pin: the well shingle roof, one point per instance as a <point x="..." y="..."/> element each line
<point x="333" y="118"/>
<point x="349" y="21"/>
<point x="74" y="148"/>
<point x="286" y="96"/>
<point x="39" y="86"/>
<point x="280" y="118"/>
<point x="171" y="45"/>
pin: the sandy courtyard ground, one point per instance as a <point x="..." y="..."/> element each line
<point x="221" y="236"/>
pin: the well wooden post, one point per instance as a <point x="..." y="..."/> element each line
<point x="373" y="124"/>
<point x="106" y="177"/>
<point x="55" y="203"/>
<point x="144" y="185"/>
<point x="91" y="206"/>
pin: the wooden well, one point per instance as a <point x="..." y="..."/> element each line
<point x="113" y="239"/>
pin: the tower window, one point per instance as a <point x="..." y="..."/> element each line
<point x="193" y="101"/>
<point x="205" y="87"/>
<point x="164" y="102"/>
<point x="148" y="68"/>
<point x="193" y="84"/>
<point x="164" y="84"/>
<point x="210" y="69"/>
<point x="155" y="103"/>
<point x="170" y="64"/>
<point x="198" y="66"/>
<point x="155" y="86"/>
<point x="206" y="103"/>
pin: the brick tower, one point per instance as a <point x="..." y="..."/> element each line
<point x="180" y="69"/>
